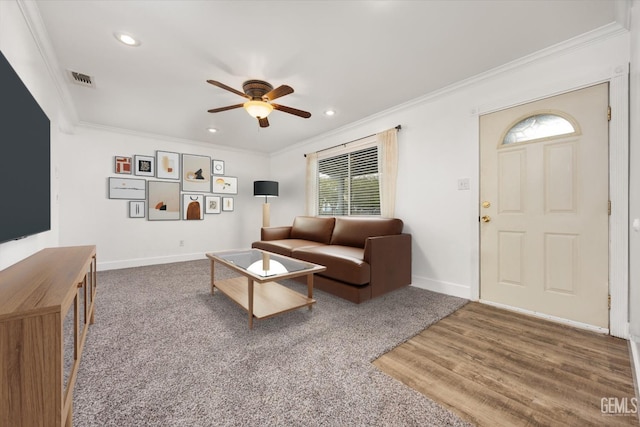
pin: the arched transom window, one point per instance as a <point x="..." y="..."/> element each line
<point x="538" y="126"/>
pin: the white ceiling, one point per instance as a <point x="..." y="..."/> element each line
<point x="357" y="57"/>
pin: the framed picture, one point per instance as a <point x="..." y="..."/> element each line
<point x="145" y="165"/>
<point x="217" y="167"/>
<point x="212" y="204"/>
<point x="136" y="209"/>
<point x="192" y="206"/>
<point x="164" y="201"/>
<point x="196" y="173"/>
<point x="123" y="164"/>
<point x="127" y="188"/>
<point x="227" y="204"/>
<point x="167" y="165"/>
<point x="225" y="184"/>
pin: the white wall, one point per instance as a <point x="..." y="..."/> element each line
<point x="82" y="159"/>
<point x="87" y="216"/>
<point x="438" y="144"/>
<point x="18" y="46"/>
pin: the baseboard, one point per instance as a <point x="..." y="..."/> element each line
<point x="635" y="364"/>
<point x="140" y="262"/>
<point x="448" y="288"/>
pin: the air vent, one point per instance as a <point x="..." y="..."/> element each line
<point x="81" y="79"/>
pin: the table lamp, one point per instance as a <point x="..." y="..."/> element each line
<point x="266" y="189"/>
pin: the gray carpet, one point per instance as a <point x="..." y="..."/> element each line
<point x="164" y="352"/>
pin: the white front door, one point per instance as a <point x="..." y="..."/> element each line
<point x="544" y="191"/>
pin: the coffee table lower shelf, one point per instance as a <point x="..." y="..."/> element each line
<point x="269" y="298"/>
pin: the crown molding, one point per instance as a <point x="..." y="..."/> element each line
<point x="582" y="41"/>
<point x="33" y="19"/>
<point x="70" y="117"/>
<point x="598" y="35"/>
<point x="153" y="137"/>
<point x="622" y="11"/>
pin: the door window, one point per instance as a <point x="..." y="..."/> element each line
<point x="538" y="126"/>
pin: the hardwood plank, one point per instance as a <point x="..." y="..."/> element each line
<point x="504" y="374"/>
<point x="607" y="344"/>
<point x="495" y="367"/>
<point x="463" y="396"/>
<point x="606" y="371"/>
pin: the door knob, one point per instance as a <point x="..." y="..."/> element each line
<point x="486" y="218"/>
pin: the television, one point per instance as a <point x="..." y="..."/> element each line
<point x="25" y="159"/>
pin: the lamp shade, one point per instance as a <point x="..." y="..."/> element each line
<point x="265" y="188"/>
<point x="258" y="109"/>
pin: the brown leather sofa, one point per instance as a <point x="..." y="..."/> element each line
<point x="365" y="256"/>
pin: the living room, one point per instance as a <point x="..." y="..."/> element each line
<point x="438" y="145"/>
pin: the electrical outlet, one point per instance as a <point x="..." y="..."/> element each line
<point x="463" y="183"/>
<point x="181" y="242"/>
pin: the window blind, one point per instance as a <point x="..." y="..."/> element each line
<point x="349" y="183"/>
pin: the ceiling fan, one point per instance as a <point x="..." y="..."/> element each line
<point x="259" y="94"/>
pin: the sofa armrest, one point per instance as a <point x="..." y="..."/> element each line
<point x="389" y="258"/>
<point x="275" y="233"/>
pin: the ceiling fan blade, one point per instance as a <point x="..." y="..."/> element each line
<point x="264" y="122"/>
<point x="293" y="111"/>
<point x="230" y="89"/>
<point x="278" y="92"/>
<point x="230" y="107"/>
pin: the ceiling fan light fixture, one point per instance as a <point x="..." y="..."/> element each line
<point x="258" y="109"/>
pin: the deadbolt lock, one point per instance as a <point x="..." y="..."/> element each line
<point x="486" y="204"/>
<point x="486" y="218"/>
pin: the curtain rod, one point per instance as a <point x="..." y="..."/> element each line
<point x="358" y="139"/>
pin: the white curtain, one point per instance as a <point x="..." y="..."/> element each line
<point x="311" y="203"/>
<point x="388" y="166"/>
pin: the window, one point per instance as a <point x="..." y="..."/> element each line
<point x="537" y="127"/>
<point x="354" y="178"/>
<point x="349" y="183"/>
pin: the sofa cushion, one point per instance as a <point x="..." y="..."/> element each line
<point x="344" y="263"/>
<point x="353" y="231"/>
<point x="313" y="228"/>
<point x="283" y="247"/>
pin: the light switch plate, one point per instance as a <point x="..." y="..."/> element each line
<point x="463" y="184"/>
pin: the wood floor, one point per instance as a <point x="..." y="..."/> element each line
<point x="493" y="367"/>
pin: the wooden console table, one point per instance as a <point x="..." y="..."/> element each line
<point x="46" y="306"/>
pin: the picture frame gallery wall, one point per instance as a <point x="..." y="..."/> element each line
<point x="179" y="186"/>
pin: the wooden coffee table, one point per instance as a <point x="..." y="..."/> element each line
<point x="256" y="290"/>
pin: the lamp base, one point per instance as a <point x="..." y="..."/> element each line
<point x="266" y="217"/>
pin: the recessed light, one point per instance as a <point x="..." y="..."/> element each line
<point x="329" y="113"/>
<point x="212" y="130"/>
<point x="127" y="39"/>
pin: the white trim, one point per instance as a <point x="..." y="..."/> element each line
<point x="154" y="137"/>
<point x="619" y="196"/>
<point x="575" y="324"/>
<point x="448" y="288"/>
<point x="69" y="116"/>
<point x="562" y="48"/>
<point x="635" y="364"/>
<point x="140" y="262"/>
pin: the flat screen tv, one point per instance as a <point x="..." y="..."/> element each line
<point x="25" y="159"/>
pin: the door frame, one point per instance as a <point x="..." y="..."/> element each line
<point x="618" y="194"/>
